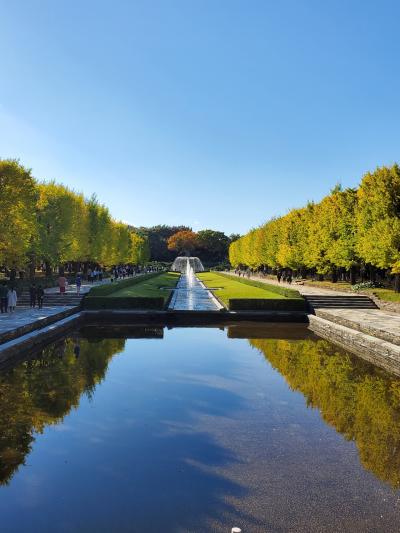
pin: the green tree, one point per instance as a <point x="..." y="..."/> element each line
<point x="213" y="245"/>
<point x="378" y="220"/>
<point x="17" y="213"/>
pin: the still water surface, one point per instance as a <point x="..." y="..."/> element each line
<point x="197" y="430"/>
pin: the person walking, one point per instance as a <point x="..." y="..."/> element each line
<point x="12" y="299"/>
<point x="40" y="296"/>
<point x="32" y="295"/>
<point x="78" y="283"/>
<point x="62" y="283"/>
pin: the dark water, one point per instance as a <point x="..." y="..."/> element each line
<point x="198" y="429"/>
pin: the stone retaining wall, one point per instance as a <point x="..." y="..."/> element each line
<point x="376" y="351"/>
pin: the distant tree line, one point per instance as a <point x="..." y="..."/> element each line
<point x="166" y="242"/>
<point x="351" y="233"/>
<point x="49" y="224"/>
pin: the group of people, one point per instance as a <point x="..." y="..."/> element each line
<point x="123" y="271"/>
<point x="95" y="274"/>
<point x="36" y="295"/>
<point x="243" y="273"/>
<point x="8" y="298"/>
<point x="284" y="275"/>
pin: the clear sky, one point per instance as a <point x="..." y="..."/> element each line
<point x="212" y="113"/>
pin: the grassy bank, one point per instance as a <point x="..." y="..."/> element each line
<point x="150" y="288"/>
<point x="245" y="295"/>
<point x="228" y="287"/>
<point x="142" y="292"/>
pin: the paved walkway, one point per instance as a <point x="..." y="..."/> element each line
<point x="85" y="287"/>
<point x="382" y="324"/>
<point x="373" y="322"/>
<point x="23" y="316"/>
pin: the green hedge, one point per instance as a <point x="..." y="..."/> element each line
<point x="109" y="288"/>
<point x="119" y="302"/>
<point x="283" y="291"/>
<point x="267" y="304"/>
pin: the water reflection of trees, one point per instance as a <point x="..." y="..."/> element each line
<point x="359" y="400"/>
<point x="42" y="390"/>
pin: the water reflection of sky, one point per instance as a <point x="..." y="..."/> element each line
<point x="198" y="432"/>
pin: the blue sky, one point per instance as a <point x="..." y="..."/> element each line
<point x="216" y="114"/>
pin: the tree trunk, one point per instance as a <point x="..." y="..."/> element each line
<point x="372" y="273"/>
<point x="48" y="269"/>
<point x="397" y="283"/>
<point x="320" y="277"/>
<point x="334" y="275"/>
<point x="353" y="277"/>
<point x="32" y="268"/>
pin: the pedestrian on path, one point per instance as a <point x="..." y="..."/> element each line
<point x="62" y="283"/>
<point x="12" y="299"/>
<point x="32" y="295"/>
<point x="40" y="296"/>
<point x="3" y="297"/>
<point x="78" y="283"/>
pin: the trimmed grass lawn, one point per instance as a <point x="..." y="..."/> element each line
<point x="150" y="287"/>
<point x="230" y="288"/>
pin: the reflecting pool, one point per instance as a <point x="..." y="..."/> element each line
<point x="149" y="429"/>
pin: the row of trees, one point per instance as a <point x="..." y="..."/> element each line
<point x="350" y="230"/>
<point x="47" y="223"/>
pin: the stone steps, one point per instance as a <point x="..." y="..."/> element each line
<point x="52" y="300"/>
<point x="340" y="302"/>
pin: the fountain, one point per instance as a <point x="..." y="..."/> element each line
<point x="190" y="274"/>
<point x="190" y="293"/>
<point x="180" y="264"/>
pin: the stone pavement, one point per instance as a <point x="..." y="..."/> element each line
<point x="373" y="322"/>
<point x="26" y="316"/>
<point x="85" y="287"/>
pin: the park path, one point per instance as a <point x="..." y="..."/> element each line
<point x="25" y="316"/>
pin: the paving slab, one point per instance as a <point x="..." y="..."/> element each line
<point x="374" y="322"/>
<point x="24" y="319"/>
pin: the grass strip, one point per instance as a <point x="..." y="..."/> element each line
<point x="142" y="292"/>
<point x="150" y="287"/>
<point x="228" y="287"/>
<point x="111" y="288"/>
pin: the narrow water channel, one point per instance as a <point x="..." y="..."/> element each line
<point x="147" y="429"/>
